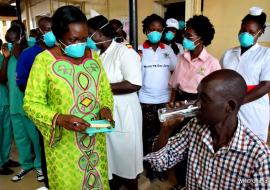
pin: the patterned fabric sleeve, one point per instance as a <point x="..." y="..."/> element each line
<point x="104" y="90"/>
<point x="174" y="151"/>
<point x="261" y="176"/>
<point x="35" y="100"/>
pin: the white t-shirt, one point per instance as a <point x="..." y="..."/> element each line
<point x="156" y="72"/>
<point x="254" y="67"/>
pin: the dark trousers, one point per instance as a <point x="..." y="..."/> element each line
<point x="43" y="160"/>
<point x="151" y="125"/>
<point x="151" y="128"/>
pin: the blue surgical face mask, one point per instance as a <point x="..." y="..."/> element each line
<point x="74" y="50"/>
<point x="154" y="37"/>
<point x="9" y="46"/>
<point x="91" y="44"/>
<point x="189" y="44"/>
<point x="31" y="41"/>
<point x="246" y="39"/>
<point x="182" y="25"/>
<point x="49" y="39"/>
<point x="169" y="36"/>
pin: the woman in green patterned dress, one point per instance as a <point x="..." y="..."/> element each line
<point x="67" y="87"/>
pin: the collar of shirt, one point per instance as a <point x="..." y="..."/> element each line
<point x="146" y="45"/>
<point x="109" y="49"/>
<point x="238" y="49"/>
<point x="237" y="142"/>
<point x="203" y="55"/>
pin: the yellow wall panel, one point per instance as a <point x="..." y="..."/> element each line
<point x="226" y="17"/>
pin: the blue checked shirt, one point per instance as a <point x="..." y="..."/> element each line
<point x="243" y="164"/>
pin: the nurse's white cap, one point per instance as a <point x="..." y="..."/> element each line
<point x="172" y="23"/>
<point x="255" y="11"/>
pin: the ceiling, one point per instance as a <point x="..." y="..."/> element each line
<point x="166" y="2"/>
<point x="6" y="9"/>
<point x="5" y="2"/>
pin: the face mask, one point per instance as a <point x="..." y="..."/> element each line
<point x="74" y="50"/>
<point x="31" y="41"/>
<point x="189" y="44"/>
<point x="154" y="37"/>
<point x="9" y="46"/>
<point x="49" y="39"/>
<point x="169" y="36"/>
<point x="246" y="39"/>
<point x="182" y="25"/>
<point x="91" y="44"/>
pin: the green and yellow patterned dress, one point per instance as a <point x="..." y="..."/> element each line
<point x="74" y="160"/>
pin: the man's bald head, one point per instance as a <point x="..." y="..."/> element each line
<point x="227" y="83"/>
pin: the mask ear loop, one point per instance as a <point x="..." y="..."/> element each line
<point x="62" y="43"/>
<point x="121" y="27"/>
<point x="100" y="30"/>
<point x="196" y="41"/>
<point x="21" y="36"/>
<point x="42" y="32"/>
<point x="103" y="26"/>
<point x="257" y="34"/>
<point x="93" y="34"/>
<point x="103" y="41"/>
<point x="62" y="47"/>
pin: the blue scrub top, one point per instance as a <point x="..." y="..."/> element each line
<point x="25" y="62"/>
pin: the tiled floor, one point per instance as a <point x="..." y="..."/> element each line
<point x="30" y="182"/>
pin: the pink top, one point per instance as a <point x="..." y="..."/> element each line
<point x="189" y="73"/>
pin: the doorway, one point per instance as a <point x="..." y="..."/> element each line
<point x="175" y="10"/>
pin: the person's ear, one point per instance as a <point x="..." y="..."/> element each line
<point x="231" y="106"/>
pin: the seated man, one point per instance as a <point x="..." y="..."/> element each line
<point x="222" y="153"/>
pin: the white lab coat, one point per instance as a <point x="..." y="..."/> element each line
<point x="124" y="145"/>
<point x="254" y="66"/>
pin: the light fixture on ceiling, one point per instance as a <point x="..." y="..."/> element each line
<point x="13" y="4"/>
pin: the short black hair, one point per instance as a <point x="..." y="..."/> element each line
<point x="1" y="43"/>
<point x="13" y="29"/>
<point x="64" y="16"/>
<point x="117" y="23"/>
<point x="19" y="24"/>
<point x="100" y="21"/>
<point x="260" y="19"/>
<point x="202" y="27"/>
<point x="44" y="19"/>
<point x="152" y="18"/>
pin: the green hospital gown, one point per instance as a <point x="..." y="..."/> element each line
<point x="74" y="160"/>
